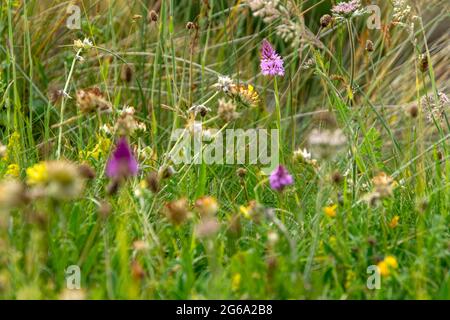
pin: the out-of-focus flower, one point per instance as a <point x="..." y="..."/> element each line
<point x="394" y="222"/>
<point x="92" y="100"/>
<point x="346" y="9"/>
<point x="140" y="245"/>
<point x="272" y="238"/>
<point x="271" y="63"/>
<point x="236" y="281"/>
<point x="127" y="124"/>
<point x="384" y="184"/>
<point x="207" y="206"/>
<point x="139" y="190"/>
<point x="122" y="163"/>
<point x="253" y="211"/>
<point x="227" y="110"/>
<point x="177" y="211"/>
<point x="12" y="194"/>
<point x="37" y="174"/>
<point x="386" y="266"/>
<point x="13" y="170"/>
<point x="86" y="171"/>
<point x="327" y="143"/>
<point x="280" y="178"/>
<point x="57" y="179"/>
<point x="207" y="228"/>
<point x="330" y="211"/>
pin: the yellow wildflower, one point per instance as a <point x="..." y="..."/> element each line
<point x="330" y="210"/>
<point x="13" y="170"/>
<point x="236" y="281"/>
<point x="13" y="141"/>
<point x="100" y="149"/>
<point x="391" y="262"/>
<point x="385" y="266"/>
<point x="37" y="174"/>
<point x="394" y="222"/>
<point x="245" y="211"/>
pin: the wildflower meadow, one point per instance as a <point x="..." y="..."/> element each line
<point x="224" y="149"/>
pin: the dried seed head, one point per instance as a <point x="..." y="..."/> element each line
<point x="153" y="16"/>
<point x="413" y="111"/>
<point x="91" y="100"/>
<point x="86" y="171"/>
<point x="227" y="110"/>
<point x="137" y="271"/>
<point x="12" y="194"/>
<point x="200" y="109"/>
<point x="55" y="95"/>
<point x="336" y="177"/>
<point x="104" y="209"/>
<point x="207" y="228"/>
<point x="127" y="72"/>
<point x="369" y="46"/>
<point x="384" y="184"/>
<point x="207" y="206"/>
<point x="153" y="181"/>
<point x="241" y="172"/>
<point x="423" y="62"/>
<point x="166" y="172"/>
<point x="177" y="211"/>
<point x="113" y="187"/>
<point x="191" y="25"/>
<point x="325" y="20"/>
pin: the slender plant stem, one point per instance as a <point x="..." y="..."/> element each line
<point x="63" y="102"/>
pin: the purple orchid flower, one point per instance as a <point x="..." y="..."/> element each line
<point x="121" y="162"/>
<point x="271" y="62"/>
<point x="280" y="178"/>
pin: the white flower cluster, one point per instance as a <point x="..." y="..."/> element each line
<point x="401" y="10"/>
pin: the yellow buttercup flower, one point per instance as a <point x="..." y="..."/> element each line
<point x="330" y="210"/>
<point x="385" y="267"/>
<point x="13" y="170"/>
<point x="391" y="262"/>
<point x="37" y="174"/>
<point x="394" y="222"/>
